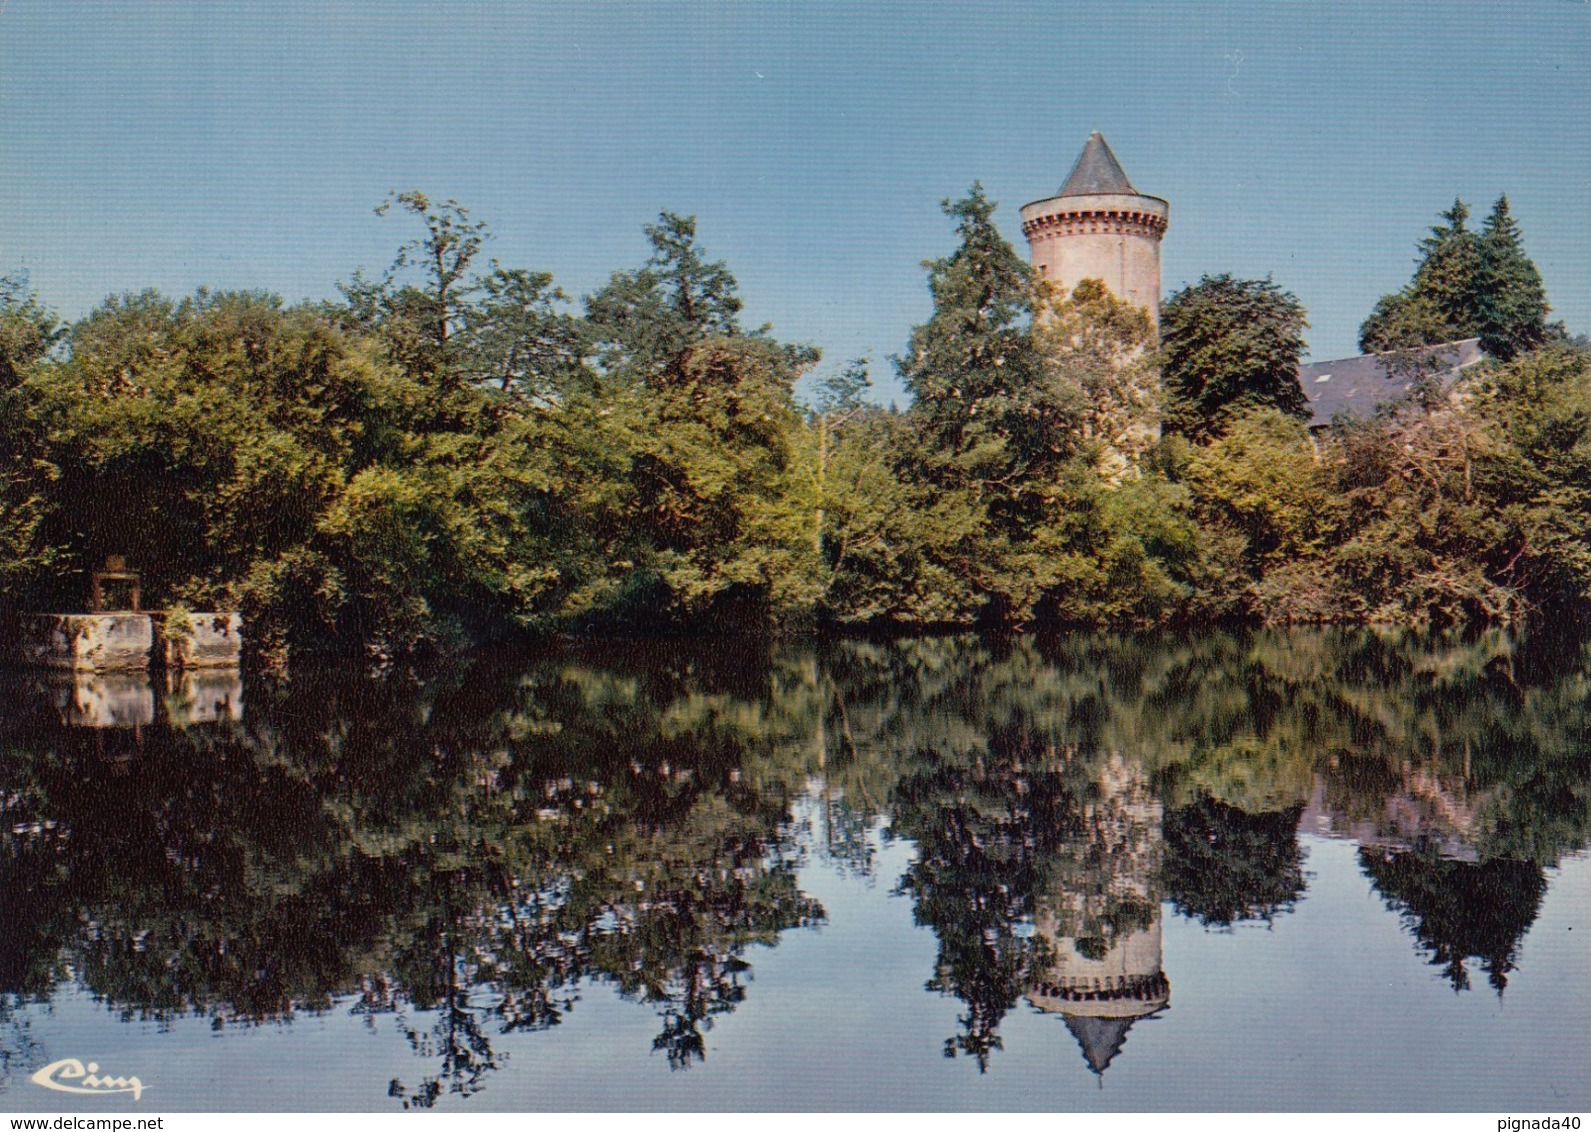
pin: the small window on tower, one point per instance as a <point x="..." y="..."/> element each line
<point x="1044" y="271"/>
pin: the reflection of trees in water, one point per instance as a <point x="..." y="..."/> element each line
<point x="19" y="1053"/>
<point x="985" y="822"/>
<point x="457" y="857"/>
<point x="1223" y="865"/>
<point x="462" y="856"/>
<point x="1459" y="910"/>
<point x="1241" y="735"/>
<point x="1474" y="744"/>
<point x="1038" y="869"/>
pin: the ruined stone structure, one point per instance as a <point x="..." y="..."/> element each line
<point x="1099" y="227"/>
<point x="197" y="640"/>
<point x="127" y="640"/>
<point x="130" y="642"/>
<point x="87" y="642"/>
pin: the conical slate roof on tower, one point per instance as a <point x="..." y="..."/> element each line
<point x="1100" y="227"/>
<point x="1097" y="171"/>
<point x="1101" y="1039"/>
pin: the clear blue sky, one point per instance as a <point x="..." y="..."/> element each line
<point x="245" y="145"/>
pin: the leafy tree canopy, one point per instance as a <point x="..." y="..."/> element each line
<point x="970" y="364"/>
<point x="1230" y="345"/>
<point x="645" y="320"/>
<point x="28" y="331"/>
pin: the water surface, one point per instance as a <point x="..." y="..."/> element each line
<point x="1304" y="870"/>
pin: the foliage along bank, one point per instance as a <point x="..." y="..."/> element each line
<point x="454" y="451"/>
<point x="495" y="848"/>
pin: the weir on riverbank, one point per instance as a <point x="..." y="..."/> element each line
<point x="128" y="640"/>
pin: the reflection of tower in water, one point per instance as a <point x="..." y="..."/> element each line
<point x="1101" y="917"/>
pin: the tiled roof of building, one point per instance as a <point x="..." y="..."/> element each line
<point x="1356" y="386"/>
<point x="1097" y="171"/>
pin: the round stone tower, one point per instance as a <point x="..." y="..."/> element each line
<point x="1099" y="227"/>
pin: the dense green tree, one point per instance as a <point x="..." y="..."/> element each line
<point x="1230" y="346"/>
<point x="1537" y="473"/>
<point x="645" y="321"/>
<point x="1471" y="510"/>
<point x="28" y="333"/>
<point x="1264" y="480"/>
<point x="974" y="356"/>
<point x="1466" y="284"/>
<point x="1100" y="383"/>
<point x="1440" y="304"/>
<point x="1511" y="303"/>
<point x="972" y="364"/>
<point x="837" y="402"/>
<point x="722" y="509"/>
<point x="450" y="454"/>
<point x="992" y="449"/>
<point x="418" y="304"/>
<point x="1420" y="542"/>
<point x="1403" y="320"/>
<point x="1021" y="488"/>
<point x="243" y="454"/>
<point x="890" y="540"/>
<point x="515" y="337"/>
<point x="1449" y="271"/>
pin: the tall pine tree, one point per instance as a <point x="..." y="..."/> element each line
<point x="1511" y="313"/>
<point x="1449" y="273"/>
<point x="967" y="365"/>
<point x="1439" y="304"/>
<point x="1467" y="285"/>
<point x="646" y="322"/>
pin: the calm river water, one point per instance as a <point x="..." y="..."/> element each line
<point x="1305" y="870"/>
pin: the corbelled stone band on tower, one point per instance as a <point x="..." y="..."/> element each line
<point x="1100" y="227"/>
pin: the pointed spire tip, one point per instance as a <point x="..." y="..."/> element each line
<point x="1097" y="171"/>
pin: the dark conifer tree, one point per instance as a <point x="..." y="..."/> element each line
<point x="646" y="322"/>
<point x="968" y="364"/>
<point x="1467" y="285"/>
<point x="1511" y="306"/>
<point x="1439" y="304"/>
<point x="1449" y="273"/>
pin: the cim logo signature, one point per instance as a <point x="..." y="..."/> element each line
<point x="70" y="1076"/>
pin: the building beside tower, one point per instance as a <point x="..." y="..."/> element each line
<point x="1099" y="227"/>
